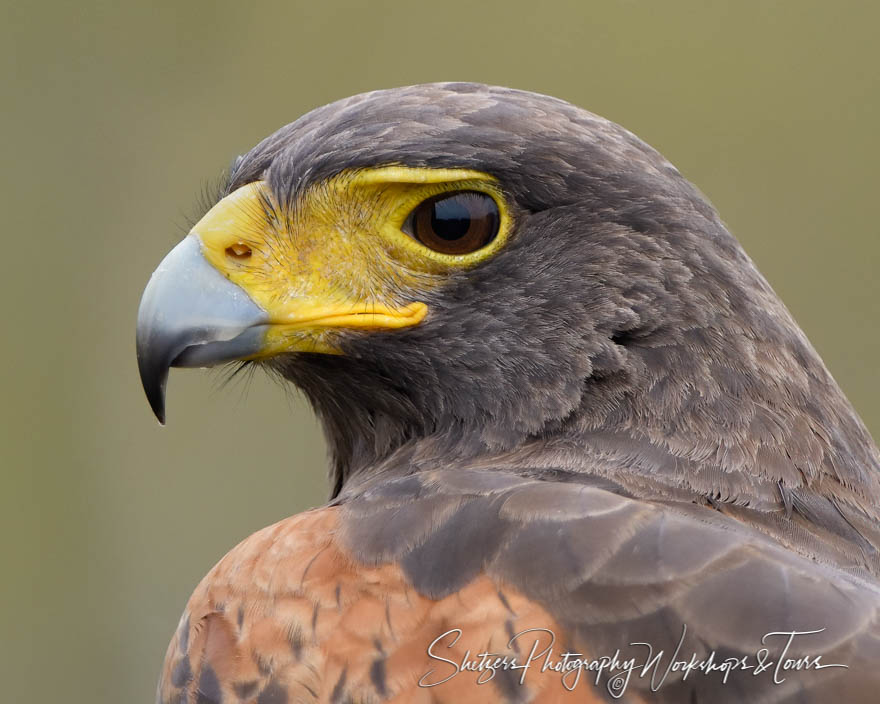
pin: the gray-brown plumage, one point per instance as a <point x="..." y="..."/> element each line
<point x="614" y="418"/>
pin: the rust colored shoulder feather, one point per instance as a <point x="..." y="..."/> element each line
<point x="290" y="615"/>
<point x="395" y="594"/>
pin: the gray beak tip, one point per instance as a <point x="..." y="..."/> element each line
<point x="153" y="378"/>
<point x="156" y="397"/>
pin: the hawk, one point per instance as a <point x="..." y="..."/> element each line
<point x="580" y="451"/>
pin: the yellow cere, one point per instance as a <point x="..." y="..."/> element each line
<point x="337" y="257"/>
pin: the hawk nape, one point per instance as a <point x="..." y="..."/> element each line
<point x="558" y="396"/>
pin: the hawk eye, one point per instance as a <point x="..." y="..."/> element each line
<point x="454" y="223"/>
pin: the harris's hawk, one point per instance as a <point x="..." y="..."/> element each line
<point x="579" y="448"/>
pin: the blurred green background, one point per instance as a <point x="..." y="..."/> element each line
<point x="116" y="114"/>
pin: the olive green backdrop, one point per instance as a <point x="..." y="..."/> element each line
<point x="115" y="114"/>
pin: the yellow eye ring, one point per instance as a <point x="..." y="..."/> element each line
<point x="399" y="190"/>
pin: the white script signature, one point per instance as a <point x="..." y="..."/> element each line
<point x="617" y="669"/>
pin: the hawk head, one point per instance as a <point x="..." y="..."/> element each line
<point x="480" y="274"/>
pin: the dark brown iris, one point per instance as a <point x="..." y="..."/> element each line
<point x="455" y="223"/>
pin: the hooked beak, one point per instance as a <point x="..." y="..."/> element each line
<point x="192" y="316"/>
<point x="232" y="291"/>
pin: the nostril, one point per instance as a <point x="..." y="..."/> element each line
<point x="239" y="250"/>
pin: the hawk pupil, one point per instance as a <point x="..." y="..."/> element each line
<point x="450" y="218"/>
